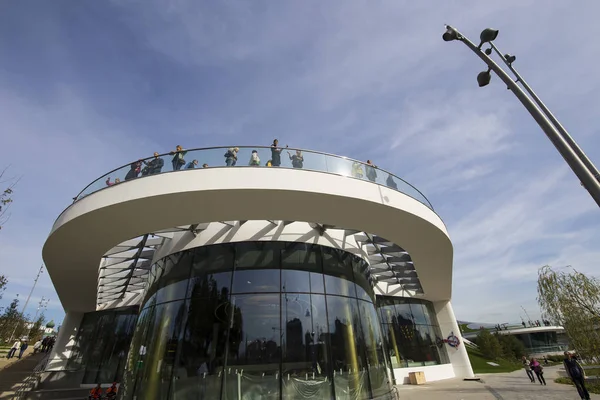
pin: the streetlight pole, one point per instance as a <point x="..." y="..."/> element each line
<point x="508" y="60"/>
<point x="27" y="301"/>
<point x="42" y="304"/>
<point x="569" y="154"/>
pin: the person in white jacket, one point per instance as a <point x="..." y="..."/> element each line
<point x="37" y="346"/>
<point x="13" y="349"/>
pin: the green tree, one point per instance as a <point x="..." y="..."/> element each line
<point x="489" y="345"/>
<point x="512" y="348"/>
<point x="37" y="330"/>
<point x="3" y="283"/>
<point x="12" y="320"/>
<point x="572" y="299"/>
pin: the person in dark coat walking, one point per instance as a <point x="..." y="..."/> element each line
<point x="577" y="375"/>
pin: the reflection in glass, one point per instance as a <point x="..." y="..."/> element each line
<point x="260" y="322"/>
<point x="410" y="329"/>
<point x="304" y="337"/>
<point x="254" y="348"/>
<point x="102" y="344"/>
<point x="347" y="348"/>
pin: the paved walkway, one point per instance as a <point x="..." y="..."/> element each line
<point x="504" y="386"/>
<point x="15" y="372"/>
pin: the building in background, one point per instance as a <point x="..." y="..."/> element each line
<point x="320" y="277"/>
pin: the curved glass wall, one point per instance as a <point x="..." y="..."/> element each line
<point x="258" y="320"/>
<point x="256" y="156"/>
<point x="411" y="332"/>
<point x="102" y="343"/>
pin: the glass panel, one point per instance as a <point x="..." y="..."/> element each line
<point x="376" y="361"/>
<point x="173" y="284"/>
<point x="347" y="348"/>
<point x="428" y="345"/>
<point x="199" y="367"/>
<point x="251" y="281"/>
<point x="361" y="274"/>
<point x="257" y="255"/>
<point x="337" y="267"/>
<point x="135" y="358"/>
<point x="211" y="271"/>
<point x="254" y="348"/>
<point x="183" y="160"/>
<point x="295" y="281"/>
<point x="419" y="313"/>
<point x="317" y="284"/>
<point x="304" y="347"/>
<point x="157" y="351"/>
<point x="403" y="314"/>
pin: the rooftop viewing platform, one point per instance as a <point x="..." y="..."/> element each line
<point x="180" y="160"/>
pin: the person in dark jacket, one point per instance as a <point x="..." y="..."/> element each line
<point x="192" y="164"/>
<point x="134" y="171"/>
<point x="577" y="375"/>
<point x="153" y="166"/>
<point x="276" y="153"/>
<point x="391" y="182"/>
<point x="371" y="172"/>
<point x="297" y="159"/>
<point x="24" y="347"/>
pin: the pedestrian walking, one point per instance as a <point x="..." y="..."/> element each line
<point x="16" y="345"/>
<point x="527" y="367"/>
<point x="577" y="375"/>
<point x="23" y="347"/>
<point x="539" y="371"/>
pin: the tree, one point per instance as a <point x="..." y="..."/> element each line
<point x="12" y="320"/>
<point x="37" y="330"/>
<point x="6" y="196"/>
<point x="572" y="299"/>
<point x="512" y="348"/>
<point x="3" y="283"/>
<point x="489" y="345"/>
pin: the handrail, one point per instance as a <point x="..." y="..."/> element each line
<point x="423" y="199"/>
<point x="31" y="381"/>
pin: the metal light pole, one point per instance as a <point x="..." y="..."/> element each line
<point x="42" y="304"/>
<point x="556" y="133"/>
<point x="508" y="60"/>
<point x="27" y="301"/>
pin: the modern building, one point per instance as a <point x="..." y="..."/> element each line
<point x="539" y="341"/>
<point x="320" y="278"/>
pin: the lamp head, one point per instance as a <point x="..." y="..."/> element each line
<point x="488" y="35"/>
<point x="510" y="58"/>
<point x="483" y="78"/>
<point x="488" y="51"/>
<point x="450" y="34"/>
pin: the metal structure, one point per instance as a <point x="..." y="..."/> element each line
<point x="125" y="269"/>
<point x="558" y="135"/>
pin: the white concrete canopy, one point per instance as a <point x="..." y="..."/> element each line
<point x="94" y="225"/>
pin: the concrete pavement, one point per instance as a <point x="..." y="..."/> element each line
<point x="503" y="386"/>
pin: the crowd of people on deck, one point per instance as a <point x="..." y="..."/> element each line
<point x="178" y="162"/>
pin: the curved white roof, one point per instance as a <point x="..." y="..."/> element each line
<point x="100" y="225"/>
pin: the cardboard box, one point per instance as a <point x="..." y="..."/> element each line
<point x="416" y="378"/>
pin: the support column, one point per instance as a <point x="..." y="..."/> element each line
<point x="64" y="342"/>
<point x="458" y="356"/>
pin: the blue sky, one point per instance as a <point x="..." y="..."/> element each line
<point x="89" y="86"/>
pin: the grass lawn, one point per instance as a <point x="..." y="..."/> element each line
<point x="592" y="387"/>
<point x="480" y="363"/>
<point x="465" y="329"/>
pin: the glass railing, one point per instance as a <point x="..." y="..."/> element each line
<point x="252" y="157"/>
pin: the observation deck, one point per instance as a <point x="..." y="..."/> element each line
<point x="101" y="247"/>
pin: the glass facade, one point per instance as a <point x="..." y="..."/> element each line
<point x="102" y="344"/>
<point x="411" y="332"/>
<point x="258" y="320"/>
